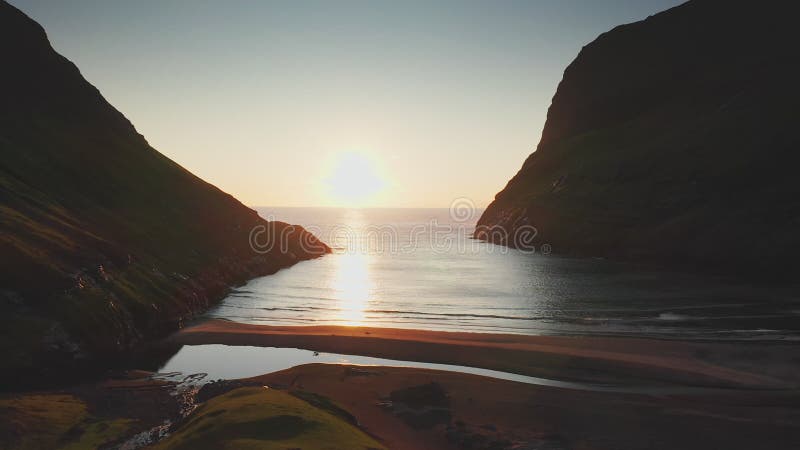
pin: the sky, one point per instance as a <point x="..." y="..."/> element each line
<point x="335" y="103"/>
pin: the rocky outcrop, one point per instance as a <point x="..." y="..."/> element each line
<point x="104" y="242"/>
<point x="671" y="140"/>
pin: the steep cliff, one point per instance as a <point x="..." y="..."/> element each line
<point x="104" y="242"/>
<point x="671" y="140"/>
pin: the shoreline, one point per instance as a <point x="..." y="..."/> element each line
<point x="407" y="408"/>
<point x="606" y="360"/>
<point x="478" y="411"/>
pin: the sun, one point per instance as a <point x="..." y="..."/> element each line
<point x="353" y="181"/>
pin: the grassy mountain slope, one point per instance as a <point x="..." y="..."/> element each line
<point x="671" y="140"/>
<point x="103" y="240"/>
<point x="265" y="419"/>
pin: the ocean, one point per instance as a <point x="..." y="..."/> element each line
<point x="419" y="268"/>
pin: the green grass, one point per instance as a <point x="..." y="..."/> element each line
<point x="265" y="419"/>
<point x="54" y="421"/>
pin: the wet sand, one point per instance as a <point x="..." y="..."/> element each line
<point x="590" y="359"/>
<point x="481" y="412"/>
<point x="758" y="407"/>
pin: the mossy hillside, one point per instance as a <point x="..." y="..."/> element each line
<point x="265" y="419"/>
<point x="671" y="140"/>
<point x="104" y="241"/>
<point x="54" y="421"/>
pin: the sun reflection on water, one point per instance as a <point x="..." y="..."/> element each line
<point x="351" y="282"/>
<point x="352" y="287"/>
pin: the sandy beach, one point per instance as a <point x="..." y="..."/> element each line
<point x="665" y="394"/>
<point x="479" y="412"/>
<point x="757" y="406"/>
<point x="589" y="359"/>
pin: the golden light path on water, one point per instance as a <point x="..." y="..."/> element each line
<point x="352" y="283"/>
<point x="352" y="287"/>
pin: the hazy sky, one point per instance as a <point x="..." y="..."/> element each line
<point x="335" y="102"/>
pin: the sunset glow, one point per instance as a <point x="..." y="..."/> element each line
<point x="354" y="181"/>
<point x="439" y="225"/>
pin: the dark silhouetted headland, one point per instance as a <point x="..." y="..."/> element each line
<point x="104" y="241"/>
<point x="671" y="140"/>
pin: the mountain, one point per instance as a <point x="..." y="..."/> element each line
<point x="104" y="242"/>
<point x="673" y="141"/>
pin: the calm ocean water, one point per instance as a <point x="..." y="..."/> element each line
<point x="418" y="268"/>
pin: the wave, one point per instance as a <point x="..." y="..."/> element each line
<point x="672" y="317"/>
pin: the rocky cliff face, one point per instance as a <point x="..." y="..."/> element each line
<point x="672" y="140"/>
<point x="104" y="242"/>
